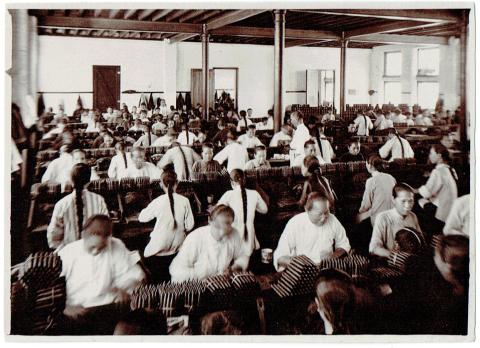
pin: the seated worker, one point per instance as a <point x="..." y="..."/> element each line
<point x="186" y="137"/>
<point x="58" y="170"/>
<point x="316" y="233"/>
<point x="99" y="271"/>
<point x="210" y="250"/>
<point x="389" y="222"/>
<point x="183" y="157"/>
<point x="315" y="182"/>
<point x="159" y="125"/>
<point x="102" y="130"/>
<point x="249" y="140"/>
<point x="260" y="161"/>
<point x="147" y="139"/>
<point x="108" y="141"/>
<point x="167" y="139"/>
<point x="328" y="117"/>
<point x="110" y="114"/>
<point x="398" y="117"/>
<point x="141" y="167"/>
<point x="79" y="156"/>
<point x="243" y="122"/>
<point x="382" y="122"/>
<point x="353" y="154"/>
<point x="137" y="126"/>
<point x="62" y="123"/>
<point x="309" y="150"/>
<point x="283" y="135"/>
<point x="120" y="162"/>
<point x="207" y="163"/>
<point x="323" y="146"/>
<point x="221" y="136"/>
<point x="363" y="124"/>
<point x="234" y="153"/>
<point x="70" y="212"/>
<point x="458" y="220"/>
<point x="396" y="147"/>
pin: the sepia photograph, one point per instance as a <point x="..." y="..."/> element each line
<point x="291" y="171"/>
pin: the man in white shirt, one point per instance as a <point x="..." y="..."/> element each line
<point x="399" y="117"/>
<point x="363" y="124"/>
<point x="323" y="147"/>
<point x="301" y="134"/>
<point x="109" y="114"/>
<point x="382" y="122"/>
<point x="308" y="150"/>
<point x="458" y="220"/>
<point x="140" y="167"/>
<point x="283" y="135"/>
<point x="210" y="250"/>
<point x="137" y="126"/>
<point x="249" y="140"/>
<point x="167" y="139"/>
<point x="316" y="233"/>
<point x="58" y="171"/>
<point x="249" y="113"/>
<point x="396" y="146"/>
<point x="182" y="157"/>
<point x="234" y="153"/>
<point x="184" y="134"/>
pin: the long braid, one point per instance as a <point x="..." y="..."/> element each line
<point x="149" y="136"/>
<point x="124" y="155"/>
<point x="79" y="210"/>
<point x="319" y="141"/>
<point x="186" y="131"/>
<point x="185" y="163"/>
<point x="169" y="180"/>
<point x="80" y="177"/>
<point x="401" y="144"/>
<point x="238" y="176"/>
<point x="172" y="205"/>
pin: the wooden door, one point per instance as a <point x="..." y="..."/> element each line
<point x="196" y="87"/>
<point x="106" y="87"/>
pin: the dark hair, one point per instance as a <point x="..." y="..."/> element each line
<point x="80" y="177"/>
<point x="222" y="209"/>
<point x="409" y="240"/>
<point x="442" y="151"/>
<point x="314" y="196"/>
<point x="185" y="163"/>
<point x="185" y="127"/>
<point x="260" y="148"/>
<point x="243" y="113"/>
<point x="238" y="176"/>
<point x="107" y="232"/>
<point x="169" y="180"/>
<point x="252" y="126"/>
<point x="308" y="143"/>
<point x="207" y="145"/>
<point x="232" y="134"/>
<point x="399" y="187"/>
<point x="120" y="146"/>
<point x="454" y="250"/>
<point x="222" y="323"/>
<point x="297" y="114"/>
<point x="142" y="322"/>
<point x="353" y="141"/>
<point x="375" y="161"/>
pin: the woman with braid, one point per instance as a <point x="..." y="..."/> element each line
<point x="245" y="203"/>
<point x="147" y="139"/>
<point x="174" y="217"/>
<point x="186" y="137"/>
<point x="120" y="162"/>
<point x="396" y="147"/>
<point x="182" y="157"/>
<point x="71" y="211"/>
<point x="315" y="182"/>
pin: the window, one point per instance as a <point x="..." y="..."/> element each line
<point x="392" y="93"/>
<point x="393" y="64"/>
<point x="427" y="94"/>
<point x="428" y="61"/>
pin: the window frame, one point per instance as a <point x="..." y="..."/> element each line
<point x="418" y="62"/>
<point x="385" y="61"/>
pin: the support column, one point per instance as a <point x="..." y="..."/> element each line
<point x="463" y="81"/>
<point x="205" y="37"/>
<point x="170" y="73"/>
<point x="278" y="72"/>
<point x="343" y="53"/>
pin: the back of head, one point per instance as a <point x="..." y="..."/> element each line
<point x="454" y="251"/>
<point x="409" y="241"/>
<point x="309" y="161"/>
<point x="238" y="176"/>
<point x="142" y="322"/>
<point x="104" y="220"/>
<point x="375" y="161"/>
<point x="81" y="174"/>
<point x="442" y="151"/>
<point x="401" y="187"/>
<point x="221" y="323"/>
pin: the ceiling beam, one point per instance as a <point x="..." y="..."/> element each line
<point x="190" y="15"/>
<point x="118" y="24"/>
<point x="269" y="33"/>
<point x="389" y="28"/>
<point x="221" y="21"/>
<point x="145" y="13"/>
<point x="161" y="14"/>
<point x="129" y="13"/>
<point x="113" y="13"/>
<point x="208" y="14"/>
<point x="402" y="39"/>
<point x="422" y="15"/>
<point x="175" y="15"/>
<point x="306" y="42"/>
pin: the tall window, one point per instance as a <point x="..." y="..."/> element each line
<point x="428" y="61"/>
<point x="427" y="94"/>
<point x="392" y="92"/>
<point x="392" y="64"/>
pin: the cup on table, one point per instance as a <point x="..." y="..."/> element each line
<point x="267" y="255"/>
<point x="210" y="199"/>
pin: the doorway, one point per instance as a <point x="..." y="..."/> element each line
<point x="106" y="87"/>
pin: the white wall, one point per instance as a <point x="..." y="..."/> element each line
<point x="255" y="70"/>
<point x="65" y="65"/>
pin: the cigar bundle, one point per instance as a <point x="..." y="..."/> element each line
<point x="40" y="270"/>
<point x="298" y="279"/>
<point x="354" y="265"/>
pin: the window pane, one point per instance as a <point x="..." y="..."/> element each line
<point x="393" y="63"/>
<point x="428" y="61"/>
<point x="393" y="93"/>
<point x="427" y="94"/>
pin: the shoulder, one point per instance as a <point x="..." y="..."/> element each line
<point x="71" y="250"/>
<point x="181" y="198"/>
<point x="117" y="245"/>
<point x="383" y="216"/>
<point x="196" y="235"/>
<point x="298" y="219"/>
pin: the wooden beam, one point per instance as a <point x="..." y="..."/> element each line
<point x="207" y="15"/>
<point x="422" y="15"/>
<point x="129" y="13"/>
<point x="113" y="13"/>
<point x="269" y="33"/>
<point x="161" y="14"/>
<point x="402" y="39"/>
<point x="97" y="12"/>
<point x="306" y="42"/>
<point x="145" y="13"/>
<point x="190" y="15"/>
<point x="389" y="28"/>
<point x="117" y="24"/>
<point x="226" y="19"/>
<point x="174" y="15"/>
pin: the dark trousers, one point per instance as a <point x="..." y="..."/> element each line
<point x="158" y="266"/>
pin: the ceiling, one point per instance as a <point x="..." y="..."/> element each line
<point x="304" y="27"/>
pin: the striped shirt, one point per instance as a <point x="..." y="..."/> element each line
<point x="206" y="166"/>
<point x="175" y="156"/>
<point x="65" y="212"/>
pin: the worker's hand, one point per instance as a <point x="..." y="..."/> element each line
<point x="74" y="311"/>
<point x="284" y="261"/>
<point x="122" y="296"/>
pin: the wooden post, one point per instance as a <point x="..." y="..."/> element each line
<point x="463" y="80"/>
<point x="343" y="51"/>
<point x="205" y="37"/>
<point x="278" y="69"/>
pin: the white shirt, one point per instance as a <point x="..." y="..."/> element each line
<point x="66" y="210"/>
<point x="163" y="141"/>
<point x="164" y="239"/>
<point x="363" y="125"/>
<point x="182" y="138"/>
<point x="92" y="126"/>
<point x="400" y="119"/>
<point x="16" y="158"/>
<point x="159" y="126"/>
<point x="93" y="280"/>
<point x="164" y="110"/>
<point x="327" y="150"/>
<point x="279" y="136"/>
<point x="53" y="132"/>
<point x="300" y="136"/>
<point x="298" y="161"/>
<point x="117" y="168"/>
<point x="175" y="156"/>
<point x="248" y="142"/>
<point x="147" y="169"/>
<point x="382" y="123"/>
<point x="378" y="194"/>
<point x="107" y="116"/>
<point x="143" y="140"/>
<point x="241" y="124"/>
<point x="136" y="128"/>
<point x="202" y="256"/>
<point x="236" y="155"/>
<point x="328" y="117"/>
<point x="441" y="190"/>
<point x="267" y="126"/>
<point x="302" y="237"/>
<point x="394" y="147"/>
<point x="458" y="221"/>
<point x="59" y="170"/>
<point x="233" y="199"/>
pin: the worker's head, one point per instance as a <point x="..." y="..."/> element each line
<point x="403" y="198"/>
<point x="207" y="152"/>
<point x="309" y="148"/>
<point x="251" y="131"/>
<point x="80" y="175"/>
<point x="354" y="146"/>
<point x="109" y="110"/>
<point x="408" y="240"/>
<point x="308" y="165"/>
<point x="296" y="118"/>
<point x="452" y="260"/>
<point x="374" y="163"/>
<point x="261" y="154"/>
<point x="317" y="208"/>
<point x="79" y="156"/>
<point x="221" y="220"/>
<point x="439" y="154"/>
<point x="285" y="129"/>
<point x="108" y="140"/>
<point x="96" y="234"/>
<point x="231" y="136"/>
<point x="249" y="112"/>
<point x="138" y="157"/>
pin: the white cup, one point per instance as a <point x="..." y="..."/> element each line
<point x="267" y="255"/>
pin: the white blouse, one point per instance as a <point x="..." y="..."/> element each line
<point x="117" y="169"/>
<point x="236" y="155"/>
